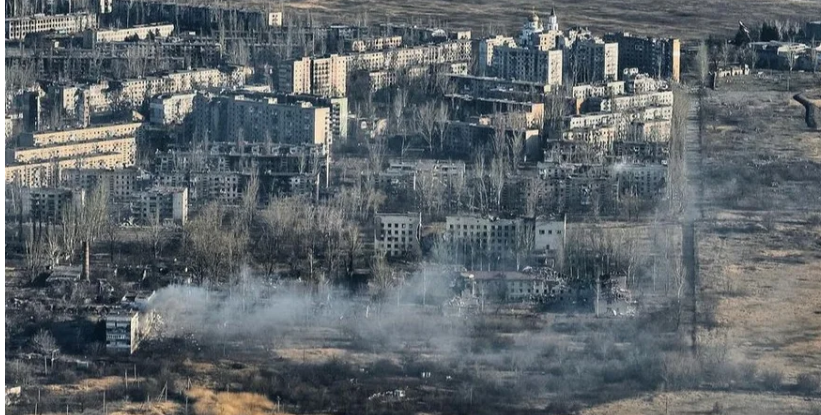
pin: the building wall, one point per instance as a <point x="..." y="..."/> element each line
<point x="593" y="60"/>
<point x="120" y="183"/>
<point x="166" y="110"/>
<point x="120" y="35"/>
<point x="48" y="204"/>
<point x="658" y="57"/>
<point x="486" y="47"/>
<point x="549" y="236"/>
<point x="126" y="147"/>
<point x="17" y="28"/>
<point x="45" y="174"/>
<point x="397" y="235"/>
<point x="263" y="118"/>
<point x="529" y="65"/>
<point x="79" y="135"/>
<point x="161" y="205"/>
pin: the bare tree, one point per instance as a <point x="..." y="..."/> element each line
<point x="45" y="344"/>
<point x="535" y="196"/>
<point x="424" y="116"/>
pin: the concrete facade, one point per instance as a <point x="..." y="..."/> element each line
<point x="397" y="234"/>
<point x="18" y="27"/>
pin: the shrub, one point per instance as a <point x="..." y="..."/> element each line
<point x="771" y="380"/>
<point x="807" y="383"/>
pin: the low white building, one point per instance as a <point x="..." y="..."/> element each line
<point x="93" y="36"/>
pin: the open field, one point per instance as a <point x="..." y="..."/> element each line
<point x="689" y="19"/>
<point x="758" y="249"/>
<point x="704" y="403"/>
<point x="759" y="246"/>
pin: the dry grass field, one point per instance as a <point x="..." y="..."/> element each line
<point x="691" y="403"/>
<point x="685" y="19"/>
<point x="759" y="247"/>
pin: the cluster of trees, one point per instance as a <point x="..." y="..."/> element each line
<point x="319" y="242"/>
<point x="50" y="241"/>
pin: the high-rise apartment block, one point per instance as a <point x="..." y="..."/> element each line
<point x="531" y="65"/>
<point x="593" y="60"/>
<point x="661" y="58"/>
<point x="486" y="48"/>
<point x="326" y="76"/>
<point x="262" y="118"/>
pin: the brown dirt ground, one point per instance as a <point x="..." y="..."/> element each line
<point x="703" y="403"/>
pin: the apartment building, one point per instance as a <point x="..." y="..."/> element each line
<point x="514" y="286"/>
<point x="582" y="92"/>
<point x="125" y="146"/>
<point x="41" y="157"/>
<point x="531" y="65"/>
<point x="468" y="105"/>
<point x="47" y="138"/>
<point x="120" y="184"/>
<point x="629" y="102"/>
<point x="593" y="60"/>
<point x="170" y="109"/>
<point x="161" y="205"/>
<point x="639" y="179"/>
<point x="262" y="118"/>
<point x="373" y="43"/>
<point x="92" y="37"/>
<point x="203" y="52"/>
<point x="476" y="85"/>
<point x="637" y="83"/>
<point x="383" y="79"/>
<point x="549" y="237"/>
<point x="104" y="96"/>
<point x="327" y="76"/>
<point x="47" y="205"/>
<point x="203" y="18"/>
<point x="473" y="234"/>
<point x="659" y="57"/>
<point x="46" y="173"/>
<point x="125" y="328"/>
<point x="18" y="27"/>
<point x="403" y="57"/>
<point x="485" y="53"/>
<point x="397" y="235"/>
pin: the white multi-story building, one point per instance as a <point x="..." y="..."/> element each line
<point x="171" y="109"/>
<point x="526" y="64"/>
<point x="397" y="234"/>
<point x="159" y="31"/>
<point x="104" y="96"/>
<point x="486" y="47"/>
<point x="161" y="205"/>
<point x="18" y="27"/>
<point x="49" y="204"/>
<point x="642" y="180"/>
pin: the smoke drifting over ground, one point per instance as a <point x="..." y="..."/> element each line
<point x="254" y="311"/>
